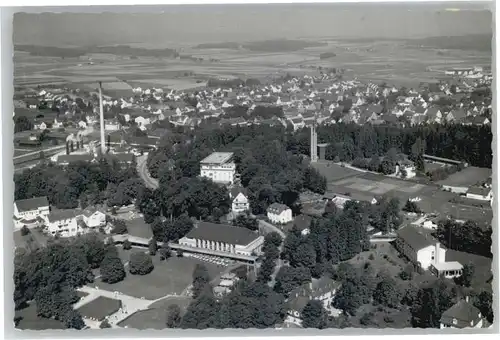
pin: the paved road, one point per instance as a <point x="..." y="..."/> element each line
<point x="270" y="228"/>
<point x="142" y="169"/>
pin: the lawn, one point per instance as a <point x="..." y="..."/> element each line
<point x="469" y="176"/>
<point x="33" y="240"/>
<point x="100" y="308"/>
<point x="385" y="257"/>
<point x="168" y="277"/>
<point x="156" y="315"/>
<point x="137" y="227"/>
<point x="31" y="321"/>
<point x="334" y="172"/>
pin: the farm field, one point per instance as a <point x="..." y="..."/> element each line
<point x="366" y="61"/>
<point x="168" y="277"/>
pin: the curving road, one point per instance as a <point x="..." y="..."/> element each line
<point x="142" y="169"/>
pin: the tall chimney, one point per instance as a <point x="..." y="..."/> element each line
<point x="436" y="255"/>
<point x="101" y="116"/>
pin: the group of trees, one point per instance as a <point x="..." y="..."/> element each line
<point x="249" y="305"/>
<point x="470" y="144"/>
<point x="22" y="123"/>
<point x="385" y="165"/>
<point x="48" y="276"/>
<point x="333" y="238"/>
<point x="468" y="237"/>
<point x="79" y="184"/>
<point x="270" y="168"/>
<point x="270" y="248"/>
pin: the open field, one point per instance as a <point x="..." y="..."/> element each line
<point x="334" y="172"/>
<point x="156" y="316"/>
<point x="168" y="277"/>
<point x="403" y="65"/>
<point x="469" y="176"/>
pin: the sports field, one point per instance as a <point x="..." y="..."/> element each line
<point x="168" y="277"/>
<point x="372" y="185"/>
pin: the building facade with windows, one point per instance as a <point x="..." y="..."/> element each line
<point x="279" y="213"/>
<point x="463" y="314"/>
<point x="222" y="238"/>
<point x="219" y="167"/>
<point x="31" y="212"/>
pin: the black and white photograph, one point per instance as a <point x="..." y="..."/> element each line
<point x="253" y="166"/>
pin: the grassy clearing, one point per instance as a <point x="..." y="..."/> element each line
<point x="156" y="316"/>
<point x="31" y="321"/>
<point x="168" y="277"/>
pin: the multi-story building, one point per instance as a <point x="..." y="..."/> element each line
<point x="239" y="200"/>
<point x="71" y="222"/>
<point x="219" y="167"/>
<point x="279" y="213"/>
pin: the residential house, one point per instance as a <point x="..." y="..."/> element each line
<point x="279" y="213"/>
<point x="94" y="218"/>
<point x="31" y="211"/>
<point x="323" y="290"/>
<point x="65" y="223"/>
<point x="297" y="123"/>
<point x="239" y="199"/>
<point x="463" y="314"/>
<point x="82" y="124"/>
<point x="434" y="115"/>
<point x="456" y="115"/>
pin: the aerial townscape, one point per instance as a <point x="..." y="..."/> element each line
<point x="325" y="182"/>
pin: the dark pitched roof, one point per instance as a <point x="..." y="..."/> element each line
<point x="463" y="312"/>
<point x="63" y="214"/>
<point x="416" y="238"/>
<point x="234" y="191"/>
<point x="31" y="203"/>
<point x="222" y="233"/>
<point x="479" y="191"/>
<point x="302" y="222"/>
<point x="277" y="208"/>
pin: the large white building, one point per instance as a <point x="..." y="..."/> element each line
<point x="31" y="211"/>
<point x="421" y="248"/>
<point x="223" y="239"/>
<point x="219" y="167"/>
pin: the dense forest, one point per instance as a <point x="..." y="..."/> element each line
<point x="471" y="144"/>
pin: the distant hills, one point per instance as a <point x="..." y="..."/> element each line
<point x="279" y="45"/>
<point x="478" y="42"/>
<point x="73" y="52"/>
